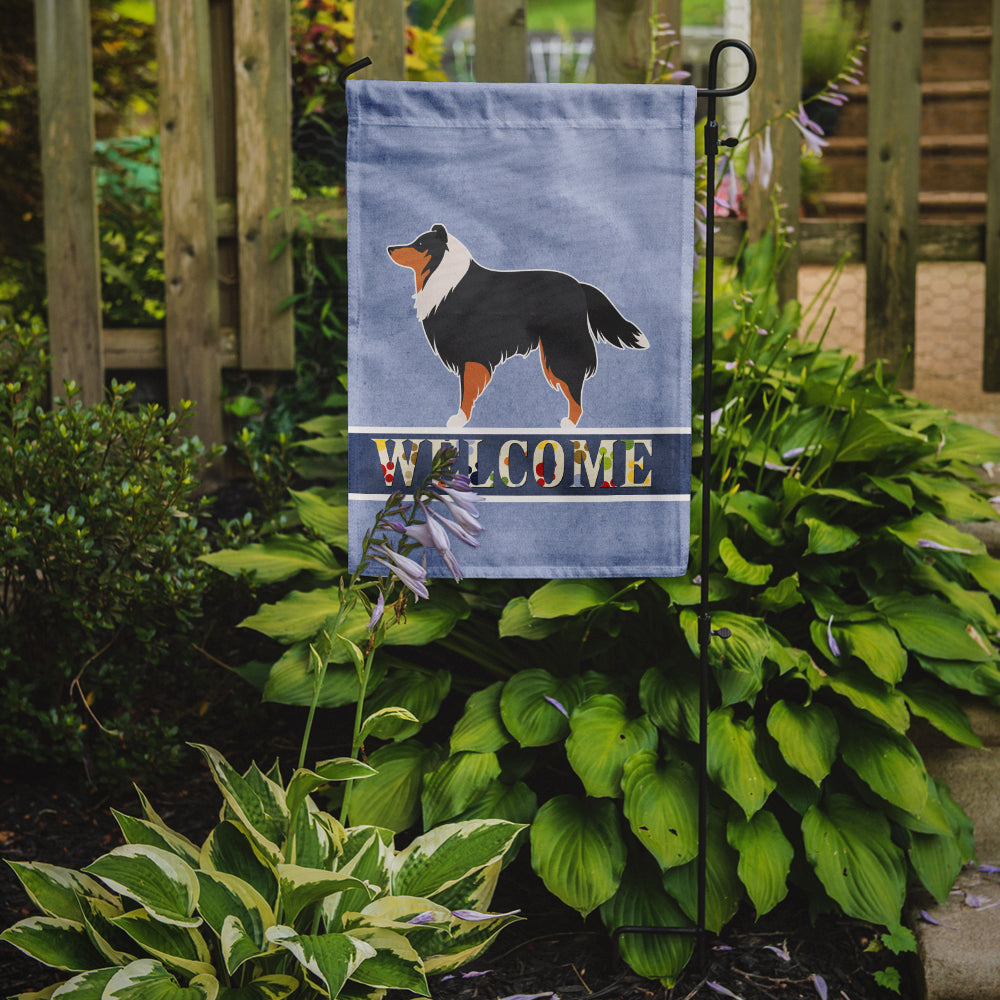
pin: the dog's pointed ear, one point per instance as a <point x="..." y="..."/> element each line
<point x="438" y="230"/>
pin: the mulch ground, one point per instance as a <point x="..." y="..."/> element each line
<point x="552" y="952"/>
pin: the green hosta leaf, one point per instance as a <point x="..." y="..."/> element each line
<point x="941" y="709"/>
<point x="732" y="760"/>
<point x="928" y="528"/>
<point x="661" y="798"/>
<point x="159" y="881"/>
<point x="893" y="488"/>
<point x="54" y="941"/>
<point x="527" y="711"/>
<point x="783" y="595"/>
<point x="957" y="501"/>
<point x="965" y="443"/>
<point x="828" y="539"/>
<point x="386" y="723"/>
<point x="865" y="692"/>
<point x="327" y="520"/>
<point x="684" y="592"/>
<point x="671" y="699"/>
<point x="481" y="728"/>
<point x="147" y="979"/>
<point x="180" y="948"/>
<point x="602" y="738"/>
<point x="260" y="809"/>
<point x="395" y="964"/>
<point x="976" y="605"/>
<point x="291" y="680"/>
<point x="87" y="986"/>
<point x="807" y="736"/>
<point x="141" y="831"/>
<point x="330" y="959"/>
<point x="876" y="646"/>
<point x="869" y="436"/>
<point x="56" y="891"/>
<point x="850" y="847"/>
<point x="888" y="763"/>
<point x="558" y="598"/>
<point x="723" y="889"/>
<point x="225" y="897"/>
<point x="976" y="678"/>
<point x="230" y="849"/>
<point x="931" y="628"/>
<point x="275" y="987"/>
<point x="456" y="784"/>
<point x="301" y="887"/>
<point x="391" y="798"/>
<point x="415" y="689"/>
<point x="739" y="569"/>
<point x="937" y="860"/>
<point x="986" y="571"/>
<point x="738" y="661"/>
<point x="304" y="782"/>
<point x="758" y="511"/>
<point x="515" y="803"/>
<point x="578" y="851"/>
<point x="279" y="558"/>
<point x="765" y="858"/>
<point x="641" y="901"/>
<point x="443" y="856"/>
<point x="517" y="620"/>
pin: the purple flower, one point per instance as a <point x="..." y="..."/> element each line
<point x="811" y="132"/>
<point x="820" y="983"/>
<point x="780" y="952"/>
<point x="427" y="917"/>
<point x="410" y="573"/>
<point x="761" y="163"/>
<point x="834" y="648"/>
<point x="377" y="611"/>
<point x="475" y="915"/>
<point x="927" y="543"/>
<point x="719" y="988"/>
<point x="456" y="529"/>
<point x="558" y="705"/>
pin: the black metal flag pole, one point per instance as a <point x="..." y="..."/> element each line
<point x="705" y="631"/>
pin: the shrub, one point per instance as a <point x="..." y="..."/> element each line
<point x="280" y="899"/>
<point x="99" y="539"/>
<point x="854" y="603"/>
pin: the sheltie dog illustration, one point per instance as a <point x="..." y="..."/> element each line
<point x="475" y="318"/>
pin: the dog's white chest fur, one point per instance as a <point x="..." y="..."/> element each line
<point x="446" y="276"/>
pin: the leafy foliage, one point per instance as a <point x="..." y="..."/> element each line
<point x="99" y="539"/>
<point x="854" y="604"/>
<point x="280" y="899"/>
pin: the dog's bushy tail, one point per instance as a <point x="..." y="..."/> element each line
<point x="608" y="324"/>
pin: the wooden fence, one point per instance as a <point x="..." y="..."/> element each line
<point x="226" y="161"/>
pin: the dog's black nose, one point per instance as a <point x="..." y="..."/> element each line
<point x="391" y="250"/>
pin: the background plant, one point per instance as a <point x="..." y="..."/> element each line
<point x="280" y="899"/>
<point x="101" y="587"/>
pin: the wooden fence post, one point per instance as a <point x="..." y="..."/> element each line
<point x="262" y="61"/>
<point x="501" y="38"/>
<point x="190" y="251"/>
<point x="776" y="35"/>
<point x="380" y="34"/>
<point x="72" y="256"/>
<point x="622" y="40"/>
<point x="893" y="183"/>
<point x="991" y="333"/>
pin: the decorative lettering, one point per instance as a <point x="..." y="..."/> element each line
<point x="505" y="472"/>
<point x="633" y="464"/>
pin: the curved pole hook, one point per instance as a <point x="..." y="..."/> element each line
<point x="353" y="68"/>
<point x="713" y="69"/>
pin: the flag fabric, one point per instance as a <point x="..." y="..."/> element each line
<point x="520" y="262"/>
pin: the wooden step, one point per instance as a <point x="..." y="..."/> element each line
<point x="956" y="53"/>
<point x="947" y="162"/>
<point x="957" y="206"/>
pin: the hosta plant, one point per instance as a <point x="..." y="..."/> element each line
<point x="279" y="900"/>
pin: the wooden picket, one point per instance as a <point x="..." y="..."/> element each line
<point x="226" y="160"/>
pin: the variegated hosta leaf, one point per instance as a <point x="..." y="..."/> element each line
<point x="578" y="851"/>
<point x="256" y="801"/>
<point x="147" y="979"/>
<point x="54" y="941"/>
<point x="300" y="887"/>
<point x="366" y="855"/>
<point x="141" y="831"/>
<point x="391" y="799"/>
<point x="732" y="760"/>
<point x="807" y="736"/>
<point x="441" y="857"/>
<point x="602" y="737"/>
<point x="158" y="880"/>
<point x="888" y="763"/>
<point x="850" y="847"/>
<point x="456" y="784"/>
<point x="56" y="891"/>
<point x="395" y="964"/>
<point x="642" y="902"/>
<point x="765" y="858"/>
<point x="535" y="706"/>
<point x="481" y="727"/>
<point x="225" y="897"/>
<point x="329" y="959"/>
<point x="86" y="986"/>
<point x="177" y="947"/>
<point x="98" y="915"/>
<point x="476" y="890"/>
<point x="273" y="987"/>
<point x="304" y="782"/>
<point x="466" y="941"/>
<point x="723" y="889"/>
<point x="661" y="799"/>
<point x="230" y="849"/>
<point x="315" y="838"/>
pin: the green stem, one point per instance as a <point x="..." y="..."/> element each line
<point x="356" y="737"/>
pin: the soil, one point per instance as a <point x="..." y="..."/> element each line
<point x="551" y="952"/>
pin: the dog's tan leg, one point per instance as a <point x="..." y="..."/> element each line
<point x="475" y="378"/>
<point x="575" y="409"/>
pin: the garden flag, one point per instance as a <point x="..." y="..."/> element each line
<point x="520" y="274"/>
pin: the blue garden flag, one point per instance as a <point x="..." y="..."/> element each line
<point x="520" y="274"/>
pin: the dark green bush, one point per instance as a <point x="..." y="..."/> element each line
<point x="99" y="580"/>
